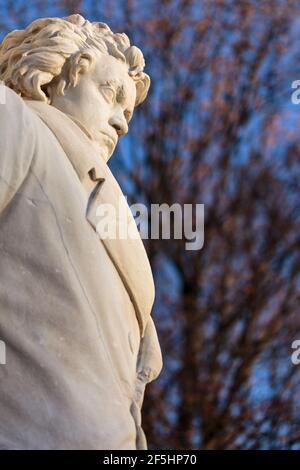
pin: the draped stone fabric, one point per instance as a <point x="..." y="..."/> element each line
<point x="74" y="308"/>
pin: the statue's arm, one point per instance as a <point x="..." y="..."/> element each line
<point x="17" y="142"/>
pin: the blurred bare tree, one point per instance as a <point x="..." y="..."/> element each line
<point x="219" y="128"/>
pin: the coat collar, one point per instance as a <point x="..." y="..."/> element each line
<point x="128" y="255"/>
<point x="68" y="131"/>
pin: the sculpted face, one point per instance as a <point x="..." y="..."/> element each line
<point x="102" y="102"/>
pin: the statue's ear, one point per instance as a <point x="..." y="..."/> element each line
<point x="142" y="86"/>
<point x="79" y="64"/>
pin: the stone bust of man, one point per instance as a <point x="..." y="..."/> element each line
<point x="74" y="306"/>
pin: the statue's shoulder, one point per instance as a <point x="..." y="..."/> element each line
<point x="17" y="143"/>
<point x="13" y="108"/>
<point x="9" y="97"/>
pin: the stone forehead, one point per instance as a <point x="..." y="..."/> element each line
<point x="114" y="72"/>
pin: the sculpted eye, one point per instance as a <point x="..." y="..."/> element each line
<point x="109" y="93"/>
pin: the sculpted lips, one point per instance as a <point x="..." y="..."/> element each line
<point x="111" y="140"/>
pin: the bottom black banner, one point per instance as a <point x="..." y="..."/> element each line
<point x="132" y="459"/>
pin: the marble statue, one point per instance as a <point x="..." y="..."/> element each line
<point x="74" y="307"/>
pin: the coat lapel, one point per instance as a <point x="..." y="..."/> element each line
<point x="128" y="254"/>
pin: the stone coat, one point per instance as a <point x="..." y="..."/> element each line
<point x="74" y="308"/>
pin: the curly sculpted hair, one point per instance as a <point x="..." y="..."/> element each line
<point x="50" y="54"/>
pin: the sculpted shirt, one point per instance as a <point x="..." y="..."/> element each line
<point x="74" y="308"/>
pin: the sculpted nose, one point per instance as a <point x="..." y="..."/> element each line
<point x="120" y="125"/>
